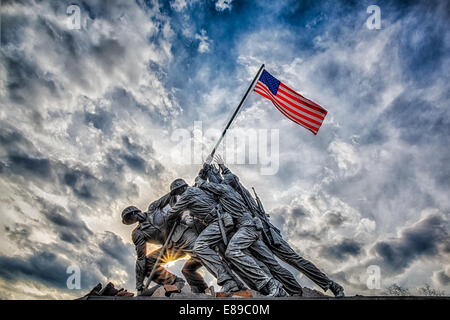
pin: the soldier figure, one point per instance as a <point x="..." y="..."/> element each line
<point x="203" y="206"/>
<point x="259" y="250"/>
<point x="153" y="227"/>
<point x="275" y="241"/>
<point x="225" y="208"/>
<point x="246" y="236"/>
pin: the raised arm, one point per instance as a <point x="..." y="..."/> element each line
<point x="210" y="173"/>
<point x="216" y="188"/>
<point x="179" y="207"/>
<point x="224" y="169"/>
<point x="160" y="203"/>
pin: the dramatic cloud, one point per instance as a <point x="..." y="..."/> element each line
<point x="90" y="117"/>
<point x="342" y="250"/>
<point x="442" y="277"/>
<point x="424" y="239"/>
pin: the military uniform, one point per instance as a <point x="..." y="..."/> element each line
<point x="282" y="249"/>
<point x="246" y="237"/>
<point x="155" y="229"/>
<point x="202" y="207"/>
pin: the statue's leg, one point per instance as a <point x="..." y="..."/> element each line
<point x="243" y="276"/>
<point x="193" y="277"/>
<point x="262" y="252"/>
<point x="203" y="249"/>
<point x="190" y="268"/>
<point x="239" y="273"/>
<point x="260" y="264"/>
<point x="288" y="255"/>
<point x="235" y="253"/>
<point x="162" y="276"/>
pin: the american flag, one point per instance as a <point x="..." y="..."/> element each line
<point x="290" y="103"/>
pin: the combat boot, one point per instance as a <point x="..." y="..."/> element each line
<point x="230" y="286"/>
<point x="337" y="290"/>
<point x="281" y="292"/>
<point x="274" y="289"/>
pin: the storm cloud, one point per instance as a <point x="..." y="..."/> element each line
<point x="88" y="117"/>
<point x="424" y="239"/>
<point x="342" y="250"/>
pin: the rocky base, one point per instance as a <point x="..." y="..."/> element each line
<point x="158" y="292"/>
<point x="171" y="291"/>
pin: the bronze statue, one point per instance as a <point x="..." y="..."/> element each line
<point x="272" y="235"/>
<point x="153" y="227"/>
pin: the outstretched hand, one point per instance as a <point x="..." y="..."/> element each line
<point x="218" y="159"/>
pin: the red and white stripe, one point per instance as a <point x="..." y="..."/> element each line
<point x="294" y="106"/>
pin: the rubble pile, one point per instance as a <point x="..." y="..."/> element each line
<point x="108" y="291"/>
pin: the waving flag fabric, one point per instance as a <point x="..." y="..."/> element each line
<point x="293" y="105"/>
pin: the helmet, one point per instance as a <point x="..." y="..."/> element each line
<point x="126" y="214"/>
<point x="176" y="184"/>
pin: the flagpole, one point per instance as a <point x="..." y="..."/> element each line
<point x="209" y="159"/>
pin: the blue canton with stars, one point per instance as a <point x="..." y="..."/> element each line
<point x="270" y="81"/>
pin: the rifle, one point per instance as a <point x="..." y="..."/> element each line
<point x="246" y="202"/>
<point x="263" y="215"/>
<point x="221" y="226"/>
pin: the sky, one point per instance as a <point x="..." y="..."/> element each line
<point x="94" y="116"/>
